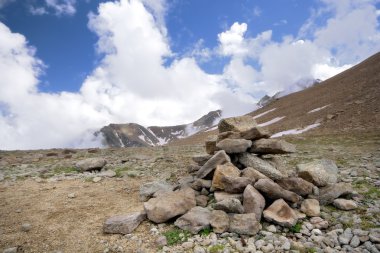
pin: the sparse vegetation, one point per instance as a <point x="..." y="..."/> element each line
<point x="121" y="171"/>
<point x="311" y="250"/>
<point x="205" y="231"/>
<point x="176" y="236"/>
<point x="216" y="248"/>
<point x="64" y="170"/>
<point x="296" y="228"/>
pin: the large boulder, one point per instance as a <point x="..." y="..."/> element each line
<point x="235" y="184"/>
<point x="320" y="173"/>
<point x="147" y="190"/>
<point x="219" y="221"/>
<point x="244" y="224"/>
<point x="234" y="146"/>
<point x="229" y="135"/>
<point x="221" y="171"/>
<point x="251" y="160"/>
<point x="280" y="213"/>
<point x="273" y="191"/>
<point x="123" y="224"/>
<point x="195" y="220"/>
<point x="219" y="158"/>
<point x="253" y="201"/>
<point x="229" y="206"/>
<point x="329" y="193"/>
<point x="220" y="196"/>
<point x="90" y="164"/>
<point x="272" y="146"/>
<point x="245" y="125"/>
<point x="297" y="185"/>
<point x="170" y="205"/>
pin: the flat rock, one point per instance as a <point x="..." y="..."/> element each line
<point x="170" y="205"/>
<point x="147" y="190"/>
<point x="297" y="185"/>
<point x="235" y="184"/>
<point x="280" y="213"/>
<point x="123" y="224"/>
<point x="374" y="235"/>
<point x="196" y="219"/>
<point x="220" y="196"/>
<point x="90" y="164"/>
<point x="272" y="146"/>
<point x="219" y="221"/>
<point x="253" y="174"/>
<point x="251" y="160"/>
<point x="311" y="207"/>
<point x="273" y="191"/>
<point x="253" y="201"/>
<point x="328" y="193"/>
<point x="11" y="250"/>
<point x="320" y="173"/>
<point x="227" y="169"/>
<point x="229" y="135"/>
<point x="210" y="144"/>
<point x="234" y="146"/>
<point x="107" y="173"/>
<point x="201" y="200"/>
<point x="96" y="179"/>
<point x="201" y="159"/>
<point x="345" y="204"/>
<point x="229" y="206"/>
<point x="219" y="158"/>
<point x="244" y="224"/>
<point x="245" y="125"/>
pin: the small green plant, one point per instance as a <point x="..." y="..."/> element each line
<point x="64" y="170"/>
<point x="205" y="231"/>
<point x="120" y="172"/>
<point x="311" y="250"/>
<point x="176" y="236"/>
<point x="296" y="228"/>
<point x="218" y="248"/>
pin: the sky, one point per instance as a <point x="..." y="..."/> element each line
<point x="69" y="67"/>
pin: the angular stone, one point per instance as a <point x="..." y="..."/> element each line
<point x="374" y="235"/>
<point x="253" y="201"/>
<point x="221" y="171"/>
<point x="234" y="146"/>
<point x="193" y="168"/>
<point x="235" y="184"/>
<point x="320" y="173"/>
<point x="245" y="125"/>
<point x="199" y="183"/>
<point x="345" y="204"/>
<point x="244" y="224"/>
<point x="170" y="205"/>
<point x="229" y="206"/>
<point x="201" y="200"/>
<point x="219" y="221"/>
<point x="220" y="196"/>
<point x="147" y="190"/>
<point x="278" y="162"/>
<point x="296" y="185"/>
<point x="253" y="174"/>
<point x="195" y="220"/>
<point x="90" y="164"/>
<point x="272" y="146"/>
<point x="311" y="207"/>
<point x="219" y="158"/>
<point x="210" y="145"/>
<point x="280" y="213"/>
<point x="251" y="160"/>
<point x="229" y="135"/>
<point x="123" y="224"/>
<point x="329" y="193"/>
<point x="273" y="191"/>
<point x="319" y="223"/>
<point x="201" y="159"/>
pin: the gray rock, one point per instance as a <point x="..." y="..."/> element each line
<point x="253" y="174"/>
<point x="169" y="205"/>
<point x="280" y="213"/>
<point x="273" y="191"/>
<point x="219" y="158"/>
<point x="187" y="245"/>
<point x="26" y="227"/>
<point x="219" y="221"/>
<point x="235" y="184"/>
<point x="253" y="201"/>
<point x="90" y="164"/>
<point x="229" y="135"/>
<point x="11" y="250"/>
<point x="195" y="220"/>
<point x="251" y="160"/>
<point x="230" y="206"/>
<point x="198" y="249"/>
<point x="346" y="237"/>
<point x="374" y="235"/>
<point x="201" y="159"/>
<point x="234" y="146"/>
<point x="161" y="241"/>
<point x="320" y="173"/>
<point x="199" y="183"/>
<point x="123" y="224"/>
<point x="355" y="241"/>
<point x="272" y="146"/>
<point x="345" y="204"/>
<point x="319" y="223"/>
<point x="96" y="179"/>
<point x="245" y="125"/>
<point x="107" y="173"/>
<point x="328" y="193"/>
<point x="220" y="196"/>
<point x="311" y="207"/>
<point x="201" y="200"/>
<point x="222" y="170"/>
<point x="296" y="185"/>
<point x="193" y="168"/>
<point x="147" y="190"/>
<point x="244" y="224"/>
<point x="1" y="177"/>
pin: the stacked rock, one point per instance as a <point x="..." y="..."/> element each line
<point x="237" y="185"/>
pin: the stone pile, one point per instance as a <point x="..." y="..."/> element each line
<point x="241" y="182"/>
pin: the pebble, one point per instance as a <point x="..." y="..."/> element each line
<point x="198" y="249"/>
<point x="161" y="241"/>
<point x="26" y="227"/>
<point x="272" y="228"/>
<point x="11" y="250"/>
<point x="96" y="179"/>
<point x="71" y="195"/>
<point x="187" y="245"/>
<point x="355" y="241"/>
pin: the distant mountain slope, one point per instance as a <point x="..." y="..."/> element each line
<point x="135" y="135"/>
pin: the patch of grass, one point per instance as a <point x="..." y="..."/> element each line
<point x="218" y="248"/>
<point x="176" y="236"/>
<point x="368" y="190"/>
<point x="205" y="231"/>
<point x="296" y="228"/>
<point x="311" y="250"/>
<point x="120" y="172"/>
<point x="88" y="179"/>
<point x="64" y="170"/>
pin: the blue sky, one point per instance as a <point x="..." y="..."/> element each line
<point x="69" y="67"/>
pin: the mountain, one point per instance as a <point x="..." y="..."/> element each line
<point x="135" y="135"/>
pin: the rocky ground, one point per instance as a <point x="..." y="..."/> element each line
<point x="47" y="206"/>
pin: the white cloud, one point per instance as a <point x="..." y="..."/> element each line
<point x="37" y="10"/>
<point x="56" y="7"/>
<point x="232" y="40"/>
